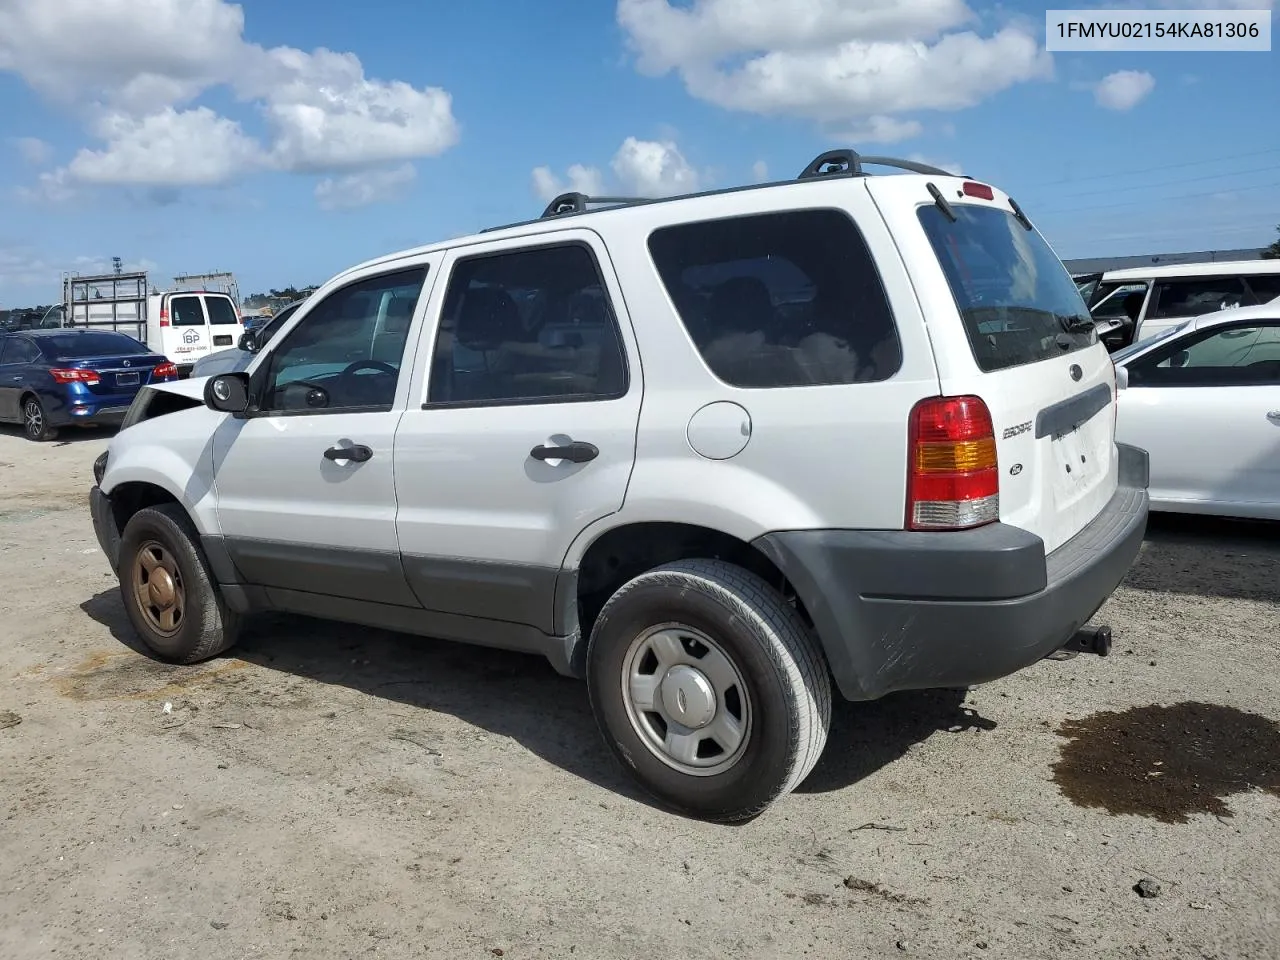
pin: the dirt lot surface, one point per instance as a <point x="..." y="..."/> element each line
<point x="333" y="792"/>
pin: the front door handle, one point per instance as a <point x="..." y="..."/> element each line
<point x="576" y="452"/>
<point x="358" y="453"/>
<point x="1274" y="416"/>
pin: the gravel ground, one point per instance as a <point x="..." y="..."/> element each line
<point x="334" y="792"/>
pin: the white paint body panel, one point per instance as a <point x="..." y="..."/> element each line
<point x="1214" y="450"/>
<point x="466" y="484"/>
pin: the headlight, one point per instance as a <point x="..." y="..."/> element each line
<point x="100" y="467"/>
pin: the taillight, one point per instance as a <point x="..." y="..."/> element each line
<point x="162" y="370"/>
<point x="979" y="190"/>
<point x="953" y="479"/>
<point x="87" y="377"/>
<point x="164" y="316"/>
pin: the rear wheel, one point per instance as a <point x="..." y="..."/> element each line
<point x="709" y="688"/>
<point x="168" y="593"/>
<point x="35" y="422"/>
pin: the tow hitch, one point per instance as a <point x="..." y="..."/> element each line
<point x="1096" y="640"/>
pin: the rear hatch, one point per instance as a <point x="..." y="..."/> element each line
<point x="1009" y="325"/>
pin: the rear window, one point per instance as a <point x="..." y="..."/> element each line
<point x="786" y="299"/>
<point x="1018" y="303"/>
<point x="75" y="346"/>
<point x="221" y="312"/>
<point x="186" y="312"/>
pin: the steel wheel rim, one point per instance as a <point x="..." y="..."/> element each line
<point x="158" y="589"/>
<point x="686" y="699"/>
<point x="34" y="418"/>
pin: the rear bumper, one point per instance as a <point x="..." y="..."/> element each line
<point x="899" y="610"/>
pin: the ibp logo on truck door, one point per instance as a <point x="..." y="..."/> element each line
<point x="191" y="336"/>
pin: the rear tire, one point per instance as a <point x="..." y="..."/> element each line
<point x="35" y="422"/>
<point x="709" y="689"/>
<point x="168" y="592"/>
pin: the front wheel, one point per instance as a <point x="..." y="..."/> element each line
<point x="168" y="593"/>
<point x="35" y="422"/>
<point x="709" y="688"/>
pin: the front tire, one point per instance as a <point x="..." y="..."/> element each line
<point x="709" y="688"/>
<point x="35" y="422"/>
<point x="168" y="593"/>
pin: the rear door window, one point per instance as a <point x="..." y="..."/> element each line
<point x="1191" y="298"/>
<point x="1016" y="299"/>
<point x="186" y="312"/>
<point x="786" y="299"/>
<point x="1265" y="287"/>
<point x="18" y="350"/>
<point x="221" y="312"/>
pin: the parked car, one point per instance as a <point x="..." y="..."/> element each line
<point x="56" y="378"/>
<point x="188" y="325"/>
<point x="1135" y="304"/>
<point x="1204" y="399"/>
<point x="819" y="487"/>
<point x="253" y="340"/>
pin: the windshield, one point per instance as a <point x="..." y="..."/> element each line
<point x="1122" y="355"/>
<point x="1018" y="303"/>
<point x="79" y="345"/>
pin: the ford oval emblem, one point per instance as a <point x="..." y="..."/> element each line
<point x="1076" y="372"/>
<point x="1015" y="470"/>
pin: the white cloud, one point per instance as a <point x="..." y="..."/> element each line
<point x="760" y="171"/>
<point x="668" y="37"/>
<point x="881" y="129"/>
<point x="653" y="168"/>
<point x="141" y="62"/>
<point x="21" y="267"/>
<point x="365" y="188"/>
<point x="581" y="179"/>
<point x="33" y="150"/>
<point x="1124" y="89"/>
<point x="169" y="148"/>
<point x="835" y="61"/>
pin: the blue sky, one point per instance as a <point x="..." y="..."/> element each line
<point x="285" y="141"/>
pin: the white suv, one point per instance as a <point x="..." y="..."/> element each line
<point x="712" y="454"/>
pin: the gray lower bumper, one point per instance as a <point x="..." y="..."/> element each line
<point x="899" y="610"/>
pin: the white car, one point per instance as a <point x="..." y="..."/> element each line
<point x="1138" y="303"/>
<point x="712" y="454"/>
<point x="1203" y="398"/>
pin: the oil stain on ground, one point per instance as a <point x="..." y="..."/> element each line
<point x="1168" y="762"/>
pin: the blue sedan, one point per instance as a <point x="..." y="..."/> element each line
<point x="56" y="378"/>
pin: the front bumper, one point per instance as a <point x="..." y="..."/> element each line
<point x="104" y="525"/>
<point x="899" y="610"/>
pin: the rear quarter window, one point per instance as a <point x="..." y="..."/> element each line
<point x="1016" y="300"/>
<point x="786" y="299"/>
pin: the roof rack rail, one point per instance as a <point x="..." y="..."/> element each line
<point x="849" y="163"/>
<point x="577" y="203"/>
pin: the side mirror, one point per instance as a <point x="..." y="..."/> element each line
<point x="248" y="342"/>
<point x="1122" y="378"/>
<point x="227" y="393"/>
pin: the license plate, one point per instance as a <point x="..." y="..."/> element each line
<point x="126" y="379"/>
<point x="222" y="341"/>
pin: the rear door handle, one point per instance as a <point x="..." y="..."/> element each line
<point x="358" y="453"/>
<point x="576" y="452"/>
